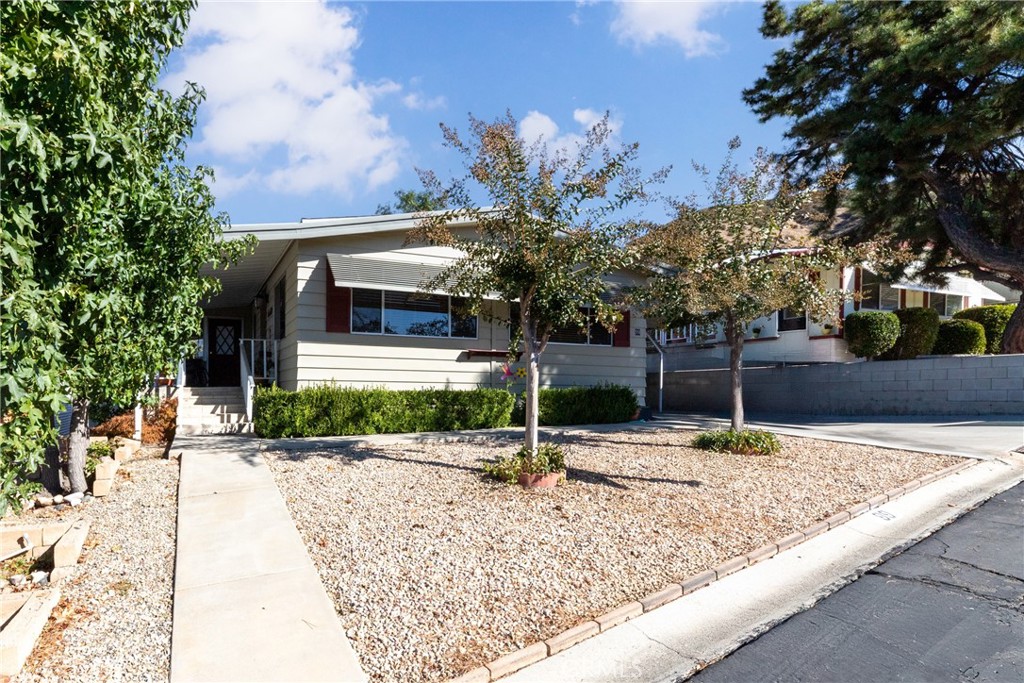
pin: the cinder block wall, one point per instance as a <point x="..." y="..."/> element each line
<point x="947" y="385"/>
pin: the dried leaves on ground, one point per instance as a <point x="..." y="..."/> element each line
<point x="435" y="570"/>
<point x="113" y="622"/>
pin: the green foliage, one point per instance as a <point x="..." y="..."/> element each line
<point x="96" y="452"/>
<point x="726" y="262"/>
<point x="410" y="201"/>
<point x="548" y="458"/>
<point x="923" y="102"/>
<point x="602" y="404"/>
<point x="869" y="334"/>
<point x="960" y="337"/>
<point x="340" y="411"/>
<point x="993" y="319"/>
<point x="746" y="442"/>
<point x="554" y="229"/>
<point x="918" y="329"/>
<point x="99" y="214"/>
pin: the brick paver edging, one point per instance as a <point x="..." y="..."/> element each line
<point x="534" y="653"/>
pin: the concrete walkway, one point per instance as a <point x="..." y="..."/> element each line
<point x="248" y="603"/>
<point x="674" y="641"/>
<point x="947" y="609"/>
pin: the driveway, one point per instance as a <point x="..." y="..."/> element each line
<point x="946" y="609"/>
<point x="973" y="436"/>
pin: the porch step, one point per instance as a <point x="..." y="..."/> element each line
<point x="212" y="410"/>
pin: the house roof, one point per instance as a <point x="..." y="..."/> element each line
<point x="242" y="281"/>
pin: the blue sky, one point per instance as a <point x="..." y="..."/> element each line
<point x="318" y="109"/>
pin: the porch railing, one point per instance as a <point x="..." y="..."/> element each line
<point x="258" y="359"/>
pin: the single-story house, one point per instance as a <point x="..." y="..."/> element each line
<point x="340" y="300"/>
<point x="792" y="336"/>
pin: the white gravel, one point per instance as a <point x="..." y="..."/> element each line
<point x="435" y="570"/>
<point x="113" y="622"/>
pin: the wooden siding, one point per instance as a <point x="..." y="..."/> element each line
<point x="413" y="362"/>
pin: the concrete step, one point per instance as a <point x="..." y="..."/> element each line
<point x="198" y="429"/>
<point x="212" y="410"/>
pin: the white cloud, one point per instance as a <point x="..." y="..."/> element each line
<point x="539" y="127"/>
<point x="285" y="109"/>
<point x="420" y="102"/>
<point x="646" y="23"/>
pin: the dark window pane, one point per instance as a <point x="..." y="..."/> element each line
<point x="366" y="310"/>
<point x="598" y="333"/>
<point x="569" y="335"/>
<point x="792" y="319"/>
<point x="463" y="323"/>
<point x="279" y="332"/>
<point x="870" y="289"/>
<point x="420" y="315"/>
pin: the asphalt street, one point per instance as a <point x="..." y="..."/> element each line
<point x="950" y="608"/>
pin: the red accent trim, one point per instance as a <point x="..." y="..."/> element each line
<point x="825" y="336"/>
<point x="621" y="335"/>
<point x="757" y="339"/>
<point x="856" y="288"/>
<point x="927" y="300"/>
<point x="339" y="306"/>
<point x="903" y="298"/>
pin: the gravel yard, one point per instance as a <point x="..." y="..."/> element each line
<point x="435" y="570"/>
<point x="113" y="622"/>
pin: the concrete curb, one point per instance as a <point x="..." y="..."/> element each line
<point x="531" y="654"/>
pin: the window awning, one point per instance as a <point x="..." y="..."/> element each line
<point x="958" y="286"/>
<point x="377" y="273"/>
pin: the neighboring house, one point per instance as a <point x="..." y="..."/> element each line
<point x="791" y="336"/>
<point x="339" y="300"/>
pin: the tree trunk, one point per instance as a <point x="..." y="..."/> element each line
<point x="532" y="386"/>
<point x="1013" y="336"/>
<point x="51" y="470"/>
<point x="78" y="444"/>
<point x="734" y="335"/>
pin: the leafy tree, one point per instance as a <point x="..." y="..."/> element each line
<point x="107" y="228"/>
<point x="725" y="262"/>
<point x="554" y="230"/>
<point x="410" y="201"/>
<point x="925" y="102"/>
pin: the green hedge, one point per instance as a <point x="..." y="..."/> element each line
<point x="606" y="403"/>
<point x="993" y="319"/>
<point x="960" y="337"/>
<point x="339" y="411"/>
<point x="869" y="334"/>
<point x="918" y="329"/>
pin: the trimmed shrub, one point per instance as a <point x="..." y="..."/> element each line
<point x="603" y="404"/>
<point x="869" y="334"/>
<point x="993" y="319"/>
<point x="340" y="411"/>
<point x="747" y="442"/>
<point x="918" y="329"/>
<point x="960" y="337"/>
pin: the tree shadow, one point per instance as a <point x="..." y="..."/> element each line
<point x="356" y="454"/>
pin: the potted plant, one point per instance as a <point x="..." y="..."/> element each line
<point x="543" y="469"/>
<point x="827" y="328"/>
<point x="756" y="331"/>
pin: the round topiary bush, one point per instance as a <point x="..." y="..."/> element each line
<point x="918" y="329"/>
<point x="869" y="334"/>
<point x="960" y="337"/>
<point x="993" y="319"/>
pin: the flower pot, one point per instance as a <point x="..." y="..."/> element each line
<point x="164" y="381"/>
<point x="540" y="481"/>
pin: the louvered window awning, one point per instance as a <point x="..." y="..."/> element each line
<point x="375" y="273"/>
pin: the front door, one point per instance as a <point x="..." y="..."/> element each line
<point x="222" y="359"/>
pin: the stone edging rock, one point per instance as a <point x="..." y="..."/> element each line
<point x="536" y="652"/>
